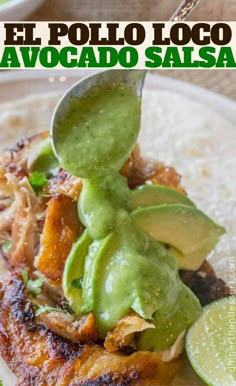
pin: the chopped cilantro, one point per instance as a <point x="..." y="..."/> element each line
<point x="5" y="247"/>
<point x="33" y="286"/>
<point x="77" y="283"/>
<point x="37" y="180"/>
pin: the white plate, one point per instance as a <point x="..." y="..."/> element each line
<point x="18" y="9"/>
<point x="15" y="84"/>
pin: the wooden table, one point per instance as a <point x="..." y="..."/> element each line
<point x="223" y="81"/>
<point x="131" y="10"/>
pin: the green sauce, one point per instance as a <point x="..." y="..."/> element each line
<point x="100" y="130"/>
<point x="128" y="271"/>
<point x="124" y="268"/>
<point x="103" y="204"/>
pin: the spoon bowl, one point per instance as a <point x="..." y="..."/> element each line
<point x="96" y="123"/>
<point x="131" y="78"/>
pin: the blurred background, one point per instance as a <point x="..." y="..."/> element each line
<point x="131" y="10"/>
<point x="211" y="10"/>
<point x="222" y="81"/>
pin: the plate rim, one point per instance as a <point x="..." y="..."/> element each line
<point x="217" y="102"/>
<point x="11" y="4"/>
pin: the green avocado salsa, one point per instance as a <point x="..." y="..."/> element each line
<point x="100" y="130"/>
<point x="120" y="266"/>
<point x="125" y="268"/>
<point x="103" y="204"/>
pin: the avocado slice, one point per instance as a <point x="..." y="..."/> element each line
<point x="74" y="271"/>
<point x="149" y="195"/>
<point x="182" y="315"/>
<point x="94" y="251"/>
<point x="128" y="270"/>
<point x="189" y="232"/>
<point x="43" y="159"/>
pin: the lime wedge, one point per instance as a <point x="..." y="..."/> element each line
<point x="211" y="343"/>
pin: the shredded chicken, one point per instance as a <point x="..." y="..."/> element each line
<point x="6" y="219"/>
<point x="77" y="330"/>
<point x="123" y="333"/>
<point x="25" y="214"/>
<point x="21" y="211"/>
<point x="16" y="159"/>
<point x="6" y="200"/>
<point x="6" y="190"/>
<point x="66" y="184"/>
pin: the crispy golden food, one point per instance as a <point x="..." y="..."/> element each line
<point x="39" y="357"/>
<point x="167" y="175"/>
<point x="138" y="171"/>
<point x="123" y="333"/>
<point x="65" y="183"/>
<point x="61" y="230"/>
<point x="76" y="330"/>
<point x="57" y="348"/>
<point x="18" y="159"/>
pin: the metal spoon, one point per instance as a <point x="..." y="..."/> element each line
<point x="127" y="77"/>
